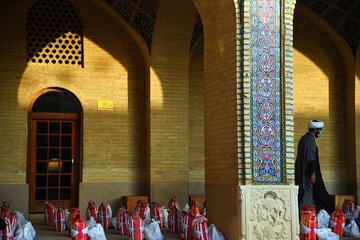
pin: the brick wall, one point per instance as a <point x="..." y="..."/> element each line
<point x="196" y="113"/>
<point x="114" y="68"/>
<point x="219" y="92"/>
<point x="169" y="91"/>
<point x="319" y="82"/>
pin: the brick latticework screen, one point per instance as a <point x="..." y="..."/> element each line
<point x="54" y="34"/>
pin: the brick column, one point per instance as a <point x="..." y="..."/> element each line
<point x="268" y="197"/>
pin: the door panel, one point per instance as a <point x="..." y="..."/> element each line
<point x="52" y="170"/>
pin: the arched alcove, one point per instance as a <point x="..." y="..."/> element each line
<point x="323" y="90"/>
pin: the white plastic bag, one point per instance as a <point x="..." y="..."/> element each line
<point x="354" y="214"/>
<point x="326" y="234"/>
<point x="113" y="223"/>
<point x="166" y="217"/>
<point x="68" y="224"/>
<point x="147" y="213"/>
<point x="214" y="234"/>
<point x="108" y="206"/>
<point x="97" y="233"/>
<point x="91" y="223"/>
<point x="186" y="208"/>
<point x="352" y="230"/>
<point x="21" y="220"/>
<point x="322" y="219"/>
<point x="29" y="231"/>
<point x="19" y="234"/>
<point x="152" y="231"/>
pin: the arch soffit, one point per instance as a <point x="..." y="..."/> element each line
<point x="106" y="6"/>
<point x="138" y="15"/>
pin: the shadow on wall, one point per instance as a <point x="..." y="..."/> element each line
<point x="320" y="93"/>
<point x="19" y="82"/>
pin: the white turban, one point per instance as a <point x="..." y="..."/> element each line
<point x="315" y="124"/>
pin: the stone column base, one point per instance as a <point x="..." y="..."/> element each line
<point x="269" y="212"/>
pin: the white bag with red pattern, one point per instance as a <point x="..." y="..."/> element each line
<point x="104" y="216"/>
<point x="59" y="221"/>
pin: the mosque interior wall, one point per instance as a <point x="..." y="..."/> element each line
<point x="319" y="93"/>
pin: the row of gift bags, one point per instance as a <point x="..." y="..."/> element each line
<point x="145" y="221"/>
<point x="17" y="228"/>
<point x="326" y="227"/>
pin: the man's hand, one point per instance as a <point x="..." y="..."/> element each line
<point x="313" y="178"/>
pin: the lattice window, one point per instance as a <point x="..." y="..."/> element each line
<point x="54" y="33"/>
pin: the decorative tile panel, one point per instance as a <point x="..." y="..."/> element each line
<point x="333" y="17"/>
<point x="197" y="32"/>
<point x="125" y="9"/>
<point x="110" y="2"/>
<point x="350" y="31"/>
<point x="149" y="6"/>
<point x="139" y="15"/>
<point x="345" y="4"/>
<point x="144" y="25"/>
<point x="356" y="12"/>
<point x="319" y="7"/>
<point x="266" y="93"/>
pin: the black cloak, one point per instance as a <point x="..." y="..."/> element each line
<point x="307" y="162"/>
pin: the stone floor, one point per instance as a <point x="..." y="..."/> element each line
<point x="44" y="232"/>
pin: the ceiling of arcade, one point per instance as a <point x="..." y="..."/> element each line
<point x="342" y="15"/>
<point x="140" y="14"/>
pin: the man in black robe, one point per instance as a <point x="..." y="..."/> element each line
<point x="312" y="189"/>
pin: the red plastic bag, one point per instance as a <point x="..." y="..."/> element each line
<point x="49" y="211"/>
<point x="199" y="228"/>
<point x="157" y="213"/>
<point x="140" y="209"/>
<point x="307" y="226"/>
<point x="186" y="223"/>
<point x="79" y="228"/>
<point x="5" y="212"/>
<point x="71" y="217"/>
<point x="337" y="222"/>
<point x="91" y="211"/>
<point x="122" y="219"/>
<point x="174" y="219"/>
<point x="348" y="206"/>
<point x="8" y="232"/>
<point x="104" y="216"/>
<point x="13" y="220"/>
<point x="136" y="227"/>
<point x="59" y="221"/>
<point x="310" y="208"/>
<point x="193" y="209"/>
<point x="174" y="203"/>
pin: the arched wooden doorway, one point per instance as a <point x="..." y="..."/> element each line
<point x="53" y="149"/>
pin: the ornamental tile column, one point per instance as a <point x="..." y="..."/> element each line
<point x="269" y="207"/>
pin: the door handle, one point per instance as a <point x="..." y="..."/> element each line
<point x="72" y="163"/>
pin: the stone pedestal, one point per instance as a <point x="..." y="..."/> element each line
<point x="269" y="212"/>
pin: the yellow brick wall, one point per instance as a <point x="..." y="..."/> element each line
<point x="219" y="91"/>
<point x="169" y="91"/>
<point x="319" y="82"/>
<point x="357" y="120"/>
<point x="196" y="113"/>
<point x="115" y="69"/>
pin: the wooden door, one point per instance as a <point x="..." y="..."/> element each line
<point x="53" y="164"/>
